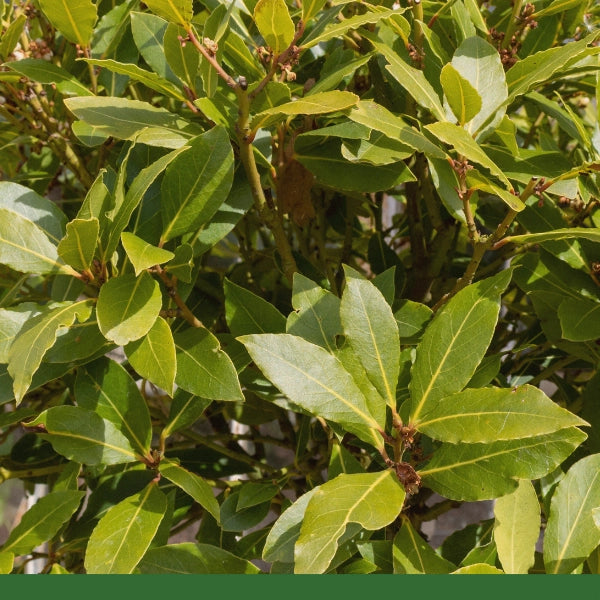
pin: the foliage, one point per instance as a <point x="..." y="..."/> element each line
<point x="293" y="282"/>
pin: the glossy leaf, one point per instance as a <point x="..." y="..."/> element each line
<point x="484" y="471"/>
<point x="491" y="414"/>
<point x="128" y="307"/>
<point x="79" y="244"/>
<point x="372" y="333"/>
<point x="143" y="255"/>
<point x="153" y="356"/>
<point x="26" y="248"/>
<point x="197" y="183"/>
<point x="191" y="484"/>
<point x="105" y="387"/>
<point x="372" y="500"/>
<point x="83" y="436"/>
<point x="203" y="368"/>
<point x="413" y="80"/>
<point x="517" y="528"/>
<point x="316" y="314"/>
<point x="176" y="11"/>
<point x="579" y="319"/>
<point x="463" y="98"/>
<point x="42" y="521"/>
<point x="315" y="380"/>
<point x="413" y="555"/>
<point x="75" y="19"/>
<point x="317" y="104"/>
<point x="274" y="24"/>
<point x="36" y="337"/>
<point x="248" y="313"/>
<point x="454" y="343"/>
<point x="194" y="559"/>
<point x="465" y="145"/>
<point x="124" y="533"/>
<point x="571" y="534"/>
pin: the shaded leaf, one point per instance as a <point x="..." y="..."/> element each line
<point x="83" y="436"/>
<point x="579" y="319"/>
<point x="185" y="409"/>
<point x="128" y="307"/>
<point x="252" y="493"/>
<point x="191" y="484"/>
<point x="372" y="500"/>
<point x="194" y="559"/>
<point x="123" y="534"/>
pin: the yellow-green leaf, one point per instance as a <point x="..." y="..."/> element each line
<point x="463" y="98"/>
<point x="176" y="11"/>
<point x="517" y="528"/>
<point x="75" y="19"/>
<point x="142" y="254"/>
<point x="79" y="244"/>
<point x="275" y="24"/>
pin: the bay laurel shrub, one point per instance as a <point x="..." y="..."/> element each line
<point x="289" y="281"/>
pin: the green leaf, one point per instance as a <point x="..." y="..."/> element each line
<point x="252" y="494"/>
<point x="148" y="32"/>
<point x="83" y="436"/>
<point x="411" y="554"/>
<point x="194" y="559"/>
<point x="279" y="546"/>
<point x="197" y="183"/>
<point x="79" y="244"/>
<point x="128" y="119"/>
<point x="478" y="569"/>
<point x="455" y="342"/>
<point x="372" y="500"/>
<point x="248" y="313"/>
<point x="466" y="146"/>
<point x="492" y="414"/>
<point x="128" y="307"/>
<point x="463" y="98"/>
<point x="176" y="11"/>
<point x="317" y="104"/>
<point x="182" y="263"/>
<point x="525" y="74"/>
<point x="476" y="181"/>
<point x="185" y="410"/>
<point x="479" y="63"/>
<point x="124" y="533"/>
<point x="274" y="24"/>
<point x="339" y="65"/>
<point x="106" y="388"/>
<point x="203" y="368"/>
<point x="592" y="234"/>
<point x="142" y="254"/>
<point x="484" y="471"/>
<point x="571" y="534"/>
<point x="315" y="380"/>
<point x="48" y="73"/>
<point x="36" y="337"/>
<point x="316" y="314"/>
<point x="7" y="559"/>
<point x="148" y="78"/>
<point x="10" y="38"/>
<point x="579" y="319"/>
<point x="412" y="80"/>
<point x="236" y="519"/>
<point x="33" y="207"/>
<point x="412" y="318"/>
<point x="311" y="8"/>
<point x="153" y="356"/>
<point x="379" y="149"/>
<point x="11" y="322"/>
<point x="517" y="528"/>
<point x="184" y="60"/>
<point x="75" y="19"/>
<point x="191" y="484"/>
<point x="555" y="7"/>
<point x="42" y="521"/>
<point x="378" y="117"/>
<point x="26" y="248"/>
<point x="372" y="332"/>
<point x="339" y="29"/>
